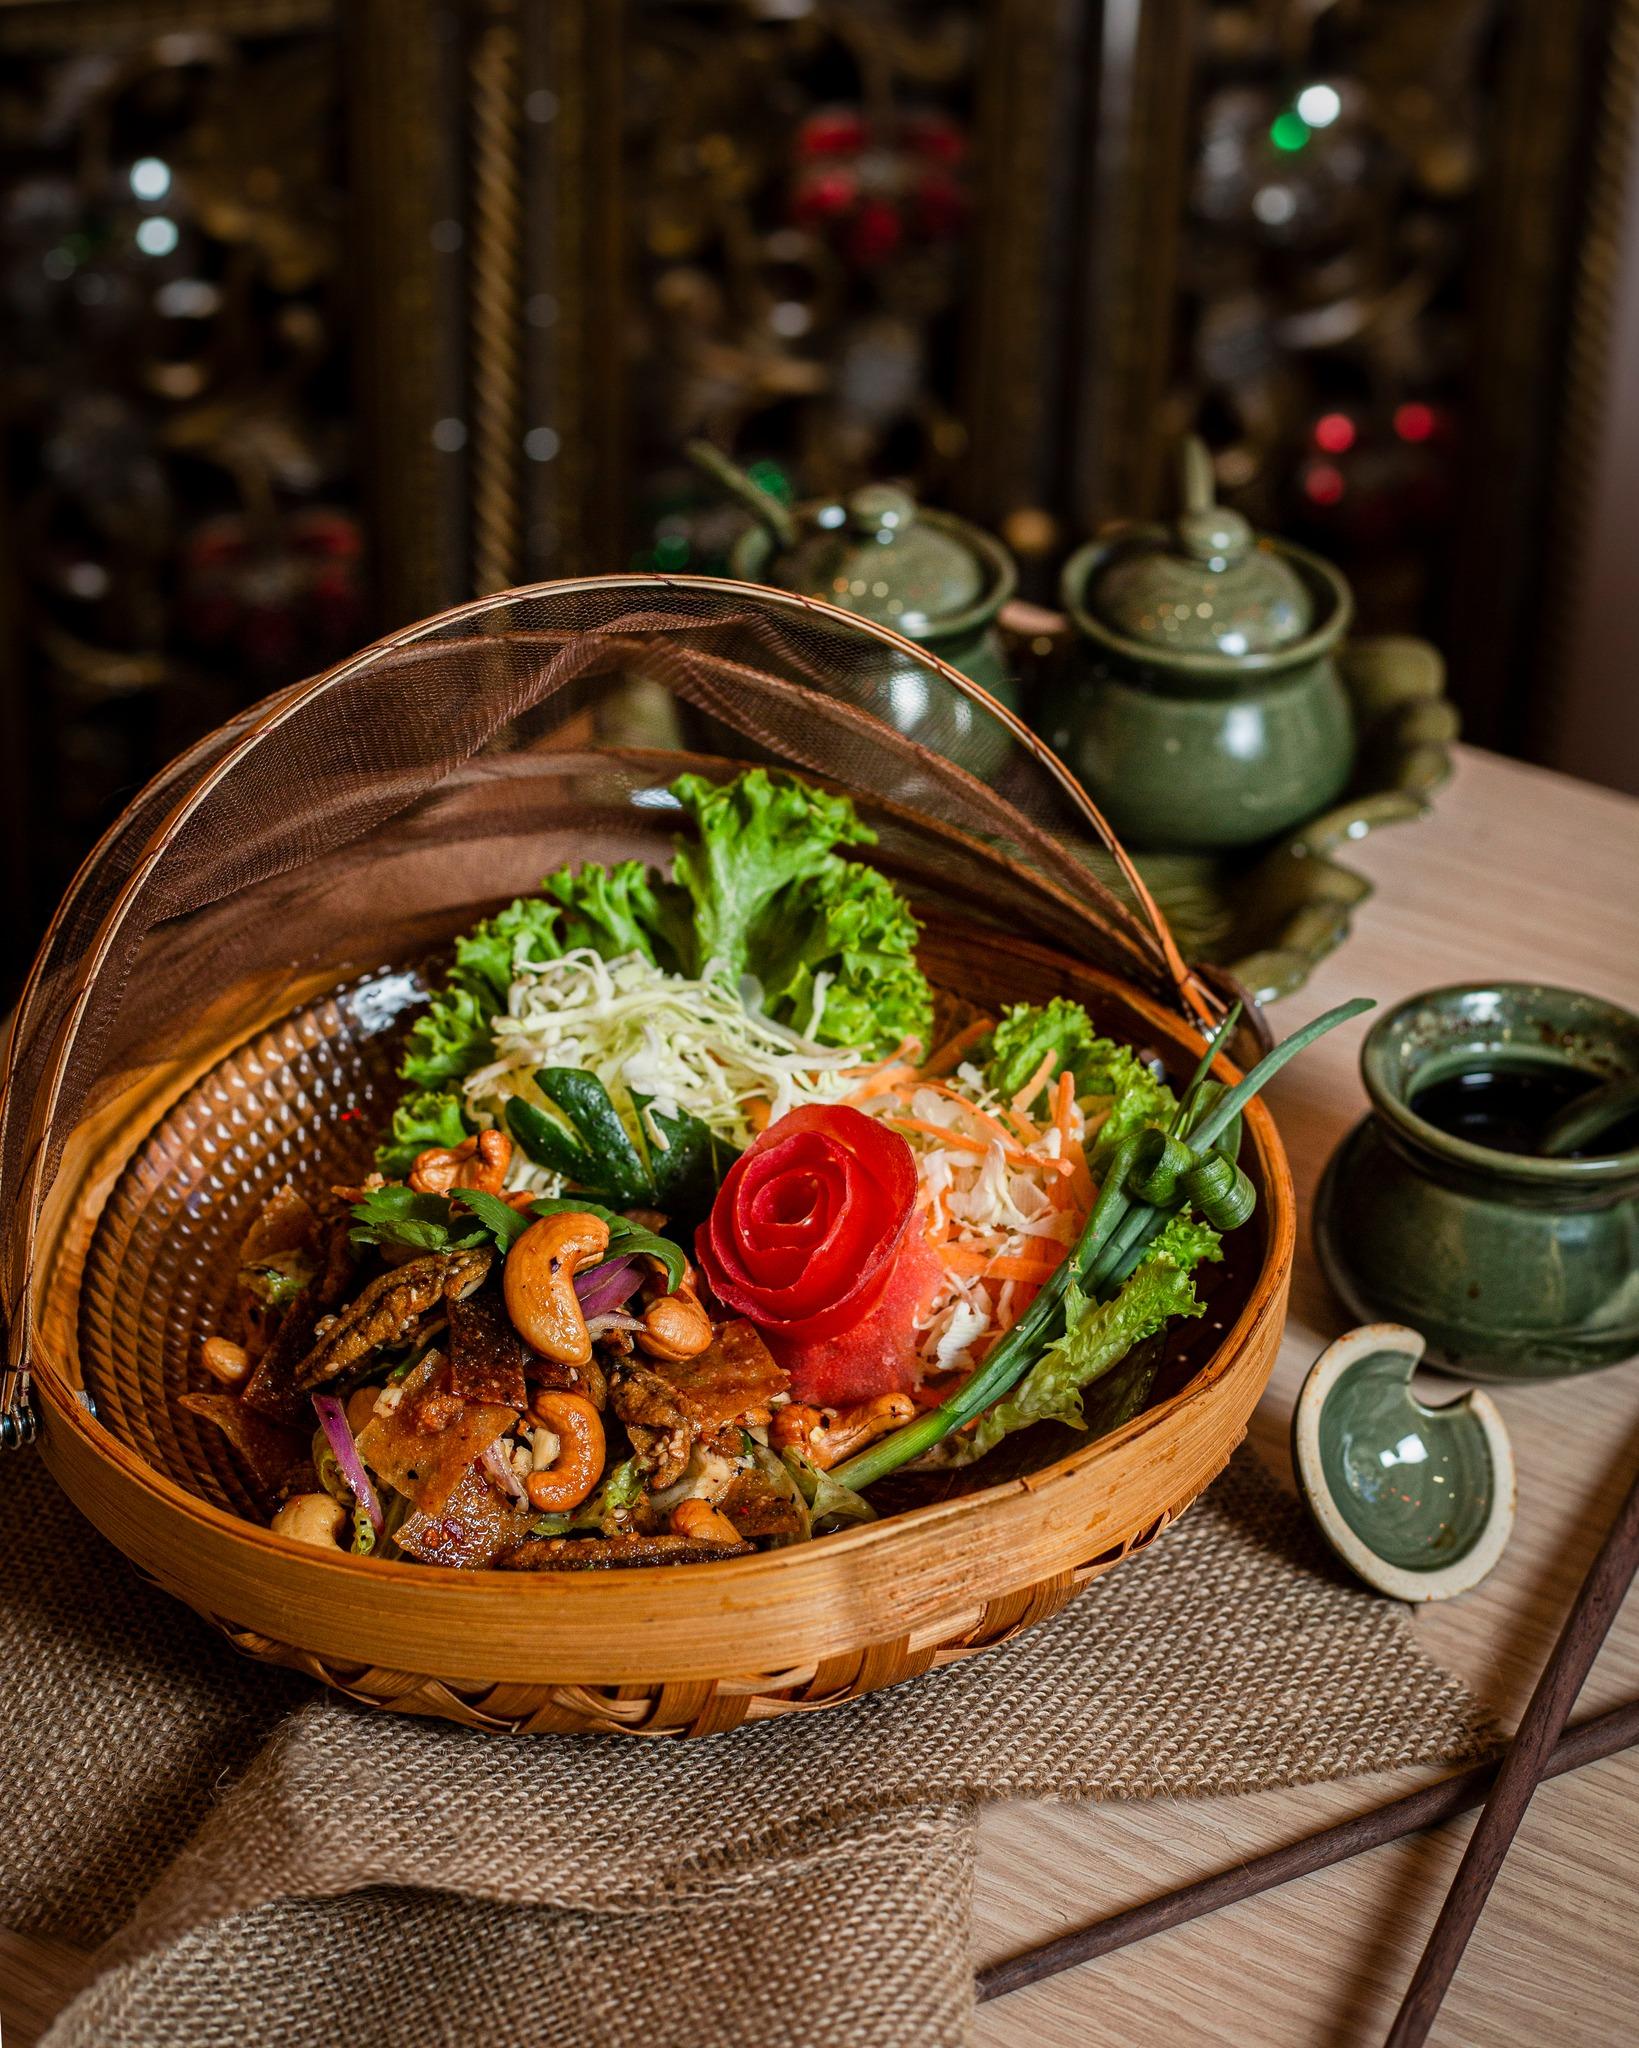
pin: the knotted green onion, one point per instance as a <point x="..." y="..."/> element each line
<point x="1158" y="1183"/>
<point x="1220" y="1191"/>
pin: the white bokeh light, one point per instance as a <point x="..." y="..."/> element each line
<point x="1319" y="105"/>
<point x="150" y="179"/>
<point x="157" y="236"/>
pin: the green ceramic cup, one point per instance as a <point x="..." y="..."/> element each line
<point x="1514" y="1266"/>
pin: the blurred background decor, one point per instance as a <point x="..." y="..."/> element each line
<point x="321" y="314"/>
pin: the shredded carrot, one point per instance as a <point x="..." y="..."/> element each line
<point x="1029" y="1133"/>
<point x="1076" y="1191"/>
<point x="979" y="1116"/>
<point x="906" y="1050"/>
<point x="949" y="1056"/>
<point x="1064" y="1102"/>
<point x="888" y="1082"/>
<point x="1038" y="1080"/>
<point x="1083" y="1186"/>
<point x="757" y="1113"/>
<point x="1018" y="1298"/>
<point x="981" y="1265"/>
<point x="960" y="1139"/>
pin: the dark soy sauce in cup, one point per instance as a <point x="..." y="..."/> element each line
<point x="1508" y="1105"/>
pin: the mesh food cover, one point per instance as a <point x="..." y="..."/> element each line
<point x="366" y="816"/>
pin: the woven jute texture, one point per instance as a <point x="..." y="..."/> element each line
<point x="257" y="1862"/>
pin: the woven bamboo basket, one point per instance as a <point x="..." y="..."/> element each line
<point x="216" y="1010"/>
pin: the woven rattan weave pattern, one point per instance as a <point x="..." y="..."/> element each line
<point x="300" y="1102"/>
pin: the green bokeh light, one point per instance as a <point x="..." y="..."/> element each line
<point x="1289" y="131"/>
<point x="772" y="478"/>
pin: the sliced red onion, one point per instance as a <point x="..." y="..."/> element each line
<point x="600" y="1326"/>
<point x="333" y="1419"/>
<point x="604" y="1288"/>
<point x="498" y="1465"/>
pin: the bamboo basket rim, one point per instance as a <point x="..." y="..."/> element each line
<point x="55" y="1379"/>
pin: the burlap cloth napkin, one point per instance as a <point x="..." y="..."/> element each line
<point x="256" y="1861"/>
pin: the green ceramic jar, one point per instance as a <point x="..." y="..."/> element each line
<point x="1204" y="708"/>
<point x="929" y="575"/>
<point x="1513" y="1265"/>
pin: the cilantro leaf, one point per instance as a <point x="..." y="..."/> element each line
<point x="414" y="1222"/>
<point x="500" y="1219"/>
<point x="468" y="1217"/>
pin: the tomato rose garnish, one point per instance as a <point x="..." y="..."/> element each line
<point x="807" y="1225"/>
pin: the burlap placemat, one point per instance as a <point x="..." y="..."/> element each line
<point x="255" y="1861"/>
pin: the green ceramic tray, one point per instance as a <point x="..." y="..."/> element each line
<point x="1271" y="914"/>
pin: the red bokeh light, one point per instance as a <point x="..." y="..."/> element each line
<point x="876" y="232"/>
<point x="1323" y="483"/>
<point x="1415" y="421"/>
<point x="825" y="196"/>
<point x="833" y="132"/>
<point x="1335" y="432"/>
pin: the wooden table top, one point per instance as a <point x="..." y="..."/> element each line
<point x="1524" y="875"/>
<point x="1519" y="875"/>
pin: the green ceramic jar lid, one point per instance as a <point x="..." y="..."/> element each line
<point x="1208" y="585"/>
<point x="872" y="555"/>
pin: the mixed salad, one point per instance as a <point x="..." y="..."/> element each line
<point x="702" y="1211"/>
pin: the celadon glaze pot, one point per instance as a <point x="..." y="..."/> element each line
<point x="928" y="575"/>
<point x="1204" y="707"/>
<point x="1514" y="1266"/>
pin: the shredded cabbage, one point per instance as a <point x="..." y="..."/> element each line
<point x="694" y="1046"/>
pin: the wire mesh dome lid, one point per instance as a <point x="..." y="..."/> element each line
<point x="351" y="819"/>
<point x="218" y="1011"/>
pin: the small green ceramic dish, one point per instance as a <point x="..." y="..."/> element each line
<point x="1416" y="1500"/>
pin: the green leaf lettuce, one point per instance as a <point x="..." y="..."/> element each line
<point x="1102" y="1067"/>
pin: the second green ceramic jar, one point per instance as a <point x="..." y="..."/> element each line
<point x="1204" y="709"/>
<point x="936" y="579"/>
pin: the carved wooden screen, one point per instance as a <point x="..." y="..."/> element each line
<point x="319" y="315"/>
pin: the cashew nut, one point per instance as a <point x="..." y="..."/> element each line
<point x="699" y="1519"/>
<point x="225" y="1361"/>
<point x="827" y="1436"/>
<point x="675" y="1327"/>
<point x="312" y="1518"/>
<point x="539" y="1283"/>
<point x="361" y="1406"/>
<point x="479" y="1162"/>
<point x="575" y="1470"/>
